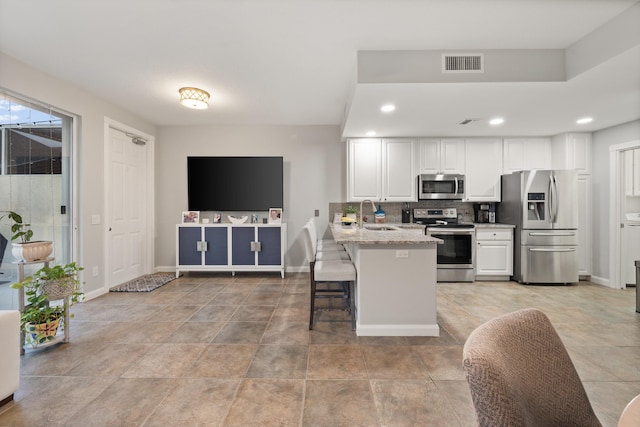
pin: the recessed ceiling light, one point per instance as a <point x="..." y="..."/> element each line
<point x="387" y="108"/>
<point x="584" y="120"/>
<point x="371" y="133"/>
<point x="496" y="121"/>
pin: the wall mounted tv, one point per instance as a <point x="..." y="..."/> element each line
<point x="234" y="183"/>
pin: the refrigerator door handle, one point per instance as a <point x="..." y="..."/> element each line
<point x="553" y="195"/>
<point x="551" y="250"/>
<point x="553" y="233"/>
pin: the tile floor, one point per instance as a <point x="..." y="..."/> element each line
<point x="236" y="351"/>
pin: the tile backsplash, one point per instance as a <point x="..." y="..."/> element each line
<point x="393" y="210"/>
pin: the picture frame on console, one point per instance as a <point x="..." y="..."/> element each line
<point x="190" y="217"/>
<point x="275" y="215"/>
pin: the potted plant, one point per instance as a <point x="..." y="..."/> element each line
<point x="39" y="319"/>
<point x="26" y="250"/>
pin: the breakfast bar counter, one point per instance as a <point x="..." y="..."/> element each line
<point x="396" y="278"/>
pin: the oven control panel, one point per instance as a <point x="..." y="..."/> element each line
<point x="447" y="213"/>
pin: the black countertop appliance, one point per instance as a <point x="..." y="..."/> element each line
<point x="485" y="212"/>
<point x="406" y="214"/>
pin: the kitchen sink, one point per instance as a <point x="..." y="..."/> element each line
<point x="381" y="228"/>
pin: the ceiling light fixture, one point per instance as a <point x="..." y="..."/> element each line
<point x="584" y="120"/>
<point x="387" y="108"/>
<point x="497" y="121"/>
<point x="193" y="97"/>
<point x="371" y="133"/>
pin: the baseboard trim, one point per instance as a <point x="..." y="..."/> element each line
<point x="397" y="330"/>
<point x="601" y="281"/>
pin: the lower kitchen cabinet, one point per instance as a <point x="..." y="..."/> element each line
<point x="494" y="253"/>
<point x="230" y="247"/>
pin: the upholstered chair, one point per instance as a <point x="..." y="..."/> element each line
<point x="520" y="375"/>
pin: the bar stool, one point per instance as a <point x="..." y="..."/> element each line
<point x="322" y="245"/>
<point x="338" y="271"/>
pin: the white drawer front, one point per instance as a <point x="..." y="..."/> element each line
<point x="493" y="234"/>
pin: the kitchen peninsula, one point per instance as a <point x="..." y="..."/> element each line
<point x="396" y="279"/>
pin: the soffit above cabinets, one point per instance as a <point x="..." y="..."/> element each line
<point x="292" y="62"/>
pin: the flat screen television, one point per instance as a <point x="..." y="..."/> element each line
<point x="234" y="183"/>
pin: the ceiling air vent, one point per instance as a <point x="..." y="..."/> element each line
<point x="468" y="121"/>
<point x="462" y="63"/>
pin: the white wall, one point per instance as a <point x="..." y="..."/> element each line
<point x="314" y="174"/>
<point x="602" y="199"/>
<point x="28" y="82"/>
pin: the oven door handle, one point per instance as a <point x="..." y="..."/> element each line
<point x="432" y="231"/>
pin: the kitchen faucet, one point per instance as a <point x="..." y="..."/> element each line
<point x="372" y="205"/>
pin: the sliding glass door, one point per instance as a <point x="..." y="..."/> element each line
<point x="35" y="181"/>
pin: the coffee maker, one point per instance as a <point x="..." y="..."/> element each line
<point x="485" y="212"/>
<point x="406" y="214"/>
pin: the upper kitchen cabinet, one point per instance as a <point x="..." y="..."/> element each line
<point x="382" y="170"/>
<point x="632" y="172"/>
<point x="526" y="154"/>
<point x="441" y="156"/>
<point x="571" y="151"/>
<point x="483" y="159"/>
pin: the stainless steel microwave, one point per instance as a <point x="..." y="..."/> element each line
<point x="441" y="187"/>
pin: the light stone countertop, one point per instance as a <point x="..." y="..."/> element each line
<point x="407" y="234"/>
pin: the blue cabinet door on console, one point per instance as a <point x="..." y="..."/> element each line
<point x="241" y="253"/>
<point x="188" y="239"/>
<point x="217" y="246"/>
<point x="271" y="246"/>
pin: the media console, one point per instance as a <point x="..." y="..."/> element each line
<point x="230" y="247"/>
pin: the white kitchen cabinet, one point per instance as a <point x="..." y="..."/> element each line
<point x="441" y="156"/>
<point x="571" y="151"/>
<point x="632" y="172"/>
<point x="483" y="163"/>
<point x="584" y="225"/>
<point x="365" y="169"/>
<point x="494" y="253"/>
<point x="382" y="170"/>
<point x="526" y="154"/>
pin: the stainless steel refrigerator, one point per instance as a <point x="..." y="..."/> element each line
<point x="543" y="205"/>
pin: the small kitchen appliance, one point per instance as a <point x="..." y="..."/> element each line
<point x="406" y="214"/>
<point x="456" y="256"/>
<point x="485" y="212"/>
<point x="440" y="187"/>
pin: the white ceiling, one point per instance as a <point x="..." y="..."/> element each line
<point x="293" y="62"/>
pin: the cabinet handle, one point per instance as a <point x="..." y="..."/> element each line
<point x="256" y="246"/>
<point x="202" y="246"/>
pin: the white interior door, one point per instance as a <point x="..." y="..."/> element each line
<point x="126" y="208"/>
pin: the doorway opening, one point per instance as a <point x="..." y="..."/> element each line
<point x="624" y="163"/>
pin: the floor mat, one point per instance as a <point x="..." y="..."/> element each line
<point x="145" y="283"/>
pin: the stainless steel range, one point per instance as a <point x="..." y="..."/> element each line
<point x="456" y="257"/>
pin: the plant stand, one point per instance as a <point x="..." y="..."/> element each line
<point x="65" y="337"/>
